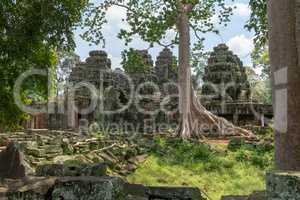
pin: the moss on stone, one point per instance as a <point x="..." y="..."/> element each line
<point x="283" y="185"/>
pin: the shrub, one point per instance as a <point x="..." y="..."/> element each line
<point x="236" y="143"/>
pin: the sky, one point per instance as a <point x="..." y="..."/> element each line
<point x="239" y="40"/>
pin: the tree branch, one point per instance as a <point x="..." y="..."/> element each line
<point x="124" y="6"/>
<point x="195" y="31"/>
<point x="171" y="44"/>
<point x="119" y="5"/>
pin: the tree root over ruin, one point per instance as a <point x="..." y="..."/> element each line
<point x="199" y="122"/>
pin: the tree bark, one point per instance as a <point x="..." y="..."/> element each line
<point x="195" y="119"/>
<point x="184" y="75"/>
<point x="284" y="36"/>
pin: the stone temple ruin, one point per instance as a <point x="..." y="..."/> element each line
<point x="118" y="90"/>
<point x="225" y="92"/>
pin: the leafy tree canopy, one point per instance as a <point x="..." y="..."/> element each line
<point x="258" y="21"/>
<point x="260" y="59"/>
<point x="260" y="88"/>
<point x="30" y="34"/>
<point x="151" y="20"/>
<point x="260" y="56"/>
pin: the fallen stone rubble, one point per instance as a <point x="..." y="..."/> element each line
<point x="68" y="166"/>
<point x="90" y="188"/>
<point x="120" y="153"/>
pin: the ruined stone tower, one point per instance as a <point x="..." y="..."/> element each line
<point x="165" y="67"/>
<point x="95" y="72"/>
<point x="225" y="77"/>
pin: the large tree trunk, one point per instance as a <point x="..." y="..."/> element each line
<point x="184" y="79"/>
<point x="195" y="119"/>
<point x="284" y="33"/>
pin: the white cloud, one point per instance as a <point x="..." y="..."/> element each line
<point x="241" y="45"/>
<point x="116" y="61"/>
<point x="242" y="10"/>
<point x="215" y="19"/>
<point x="114" y="16"/>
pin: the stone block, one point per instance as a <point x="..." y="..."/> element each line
<point x="61" y="170"/>
<point x="283" y="185"/>
<point x="163" y="193"/>
<point x="27" y="195"/>
<point x="254" y="196"/>
<point x="67" y="188"/>
<point x="88" y="188"/>
<point x="178" y="193"/>
<point x="233" y="197"/>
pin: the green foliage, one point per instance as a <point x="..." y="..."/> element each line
<point x="260" y="59"/>
<point x="259" y="156"/>
<point x="213" y="169"/>
<point x="261" y="90"/>
<point x="133" y="62"/>
<point x="258" y="21"/>
<point x="236" y="143"/>
<point x="67" y="60"/>
<point x="30" y="31"/>
<point x="266" y="133"/>
<point x="260" y="56"/>
<point x="151" y="20"/>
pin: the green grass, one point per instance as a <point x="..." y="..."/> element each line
<point x="216" y="171"/>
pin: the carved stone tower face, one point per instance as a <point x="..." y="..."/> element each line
<point x="93" y="72"/>
<point x="166" y="68"/>
<point x="225" y="77"/>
